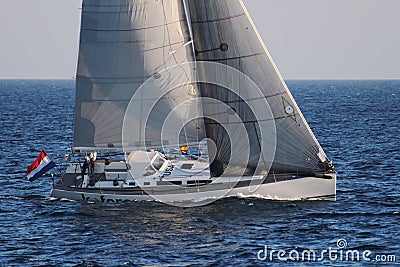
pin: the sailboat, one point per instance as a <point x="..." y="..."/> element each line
<point x="179" y="101"/>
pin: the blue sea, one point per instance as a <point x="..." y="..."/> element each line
<point x="357" y="123"/>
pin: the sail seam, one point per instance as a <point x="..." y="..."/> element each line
<point x="219" y="19"/>
<point x="88" y="5"/>
<point x="233" y="58"/>
<point x="134" y="29"/>
<point x="143" y="99"/>
<point x="252" y="121"/>
<point x="257" y="98"/>
<point x="133" y="42"/>
<point x="105" y="12"/>
<point x="116" y="78"/>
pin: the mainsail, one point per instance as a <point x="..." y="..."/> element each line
<point x="224" y="33"/>
<point x="123" y="43"/>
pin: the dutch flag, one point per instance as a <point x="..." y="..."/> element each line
<point x="39" y="167"/>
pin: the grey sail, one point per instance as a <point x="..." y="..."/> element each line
<point x="224" y="33"/>
<point x="123" y="43"/>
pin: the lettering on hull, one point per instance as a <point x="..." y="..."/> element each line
<point x="103" y="199"/>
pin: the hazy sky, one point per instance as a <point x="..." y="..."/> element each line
<point x="317" y="39"/>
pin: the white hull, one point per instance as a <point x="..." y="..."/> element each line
<point x="308" y="188"/>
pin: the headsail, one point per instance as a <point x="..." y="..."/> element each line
<point x="122" y="44"/>
<point x="224" y="33"/>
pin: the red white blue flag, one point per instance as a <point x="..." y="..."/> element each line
<point x="39" y="167"/>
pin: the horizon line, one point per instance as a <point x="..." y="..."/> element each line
<point x="285" y="79"/>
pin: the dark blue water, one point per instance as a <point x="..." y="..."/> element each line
<point x="357" y="123"/>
